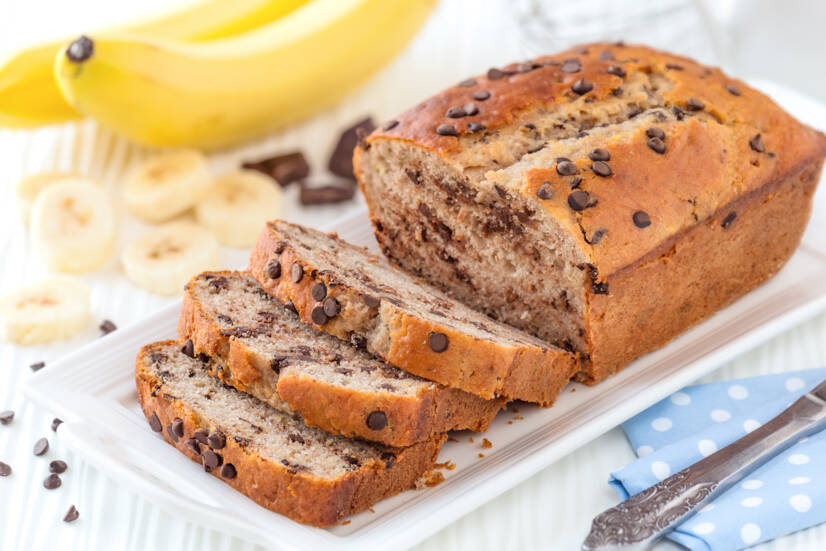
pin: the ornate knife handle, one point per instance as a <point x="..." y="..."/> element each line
<point x="645" y="517"/>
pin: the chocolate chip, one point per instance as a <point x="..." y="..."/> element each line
<point x="217" y="440"/>
<point x="438" y="342"/>
<point x="188" y="348"/>
<point x="756" y="143"/>
<point x="291" y="307"/>
<point x="605" y="55"/>
<point x="177" y="426"/>
<point x="274" y="269"/>
<point x="470" y="109"/>
<point x="657" y="145"/>
<point x="107" y="327"/>
<point x="729" y="220"/>
<point x="575" y="182"/>
<point x="377" y="420"/>
<point x="481" y="95"/>
<point x="325" y="195"/>
<point x="655" y="132"/>
<point x="155" y="423"/>
<point x="674" y="66"/>
<point x="597" y="236"/>
<point x="228" y="471"/>
<point x="599" y="154"/>
<point x="319" y="291"/>
<point x="545" y="191"/>
<point x="389" y="459"/>
<point x="566" y="168"/>
<point x="332" y="307"/>
<point x="582" y="86"/>
<point x="572" y="65"/>
<point x="296" y="272"/>
<point x="211" y="460"/>
<point x="679" y="113"/>
<point x="733" y="89"/>
<point x="318" y="316"/>
<point x="359" y="342"/>
<point x="5" y="469"/>
<point x="446" y="130"/>
<point x="341" y="161"/>
<point x="694" y="104"/>
<point x="496" y="74"/>
<point x="617" y="71"/>
<point x="6" y="417"/>
<point x="279" y="247"/>
<point x="194" y="445"/>
<point x="390" y="125"/>
<point x="370" y="301"/>
<point x="57" y="466"/>
<point x="71" y="515"/>
<point x="455" y="112"/>
<point x="599" y="288"/>
<point x="601" y="169"/>
<point x="41" y="446"/>
<point x="80" y="49"/>
<point x="284" y="169"/>
<point x="641" y="219"/>
<point x="37" y="366"/>
<point x="56" y="422"/>
<point x="52" y="482"/>
<point x="201" y="435"/>
<point x="469" y="83"/>
<point x="580" y="200"/>
<point x="476" y="127"/>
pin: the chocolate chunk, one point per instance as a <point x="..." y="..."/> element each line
<point x="572" y="65"/>
<point x="201" y="436"/>
<point x="599" y="288"/>
<point x="377" y="420"/>
<point x="580" y="200"/>
<point x="469" y="83"/>
<point x="601" y="169"/>
<point x="211" y="460"/>
<point x="41" y="446"/>
<point x="325" y="195"/>
<point x="733" y="89"/>
<point x="605" y="55"/>
<point x="188" y="348"/>
<point x="194" y="445"/>
<point x="56" y="422"/>
<point x="617" y="71"/>
<point x="57" y="466"/>
<point x="545" y="191"/>
<point x="228" y="471"/>
<point x="6" y="417"/>
<point x="291" y="307"/>
<point x="455" y="112"/>
<point x="341" y="161"/>
<point x="496" y="74"/>
<point x="296" y="272"/>
<point x="178" y="427"/>
<point x="470" y="109"/>
<point x="217" y="440"/>
<point x="332" y="307"/>
<point x="446" y="130"/>
<point x="71" y="515"/>
<point x="476" y="127"/>
<point x="566" y="168"/>
<point x="481" y="95"/>
<point x="657" y="145"/>
<point x="655" y="132"/>
<point x="756" y="143"/>
<point x="582" y="86"/>
<point x="274" y="269"/>
<point x="107" y="327"/>
<point x="597" y="236"/>
<point x="599" y="154"/>
<point x="318" y="316"/>
<point x="284" y="169"/>
<point x="52" y="482"/>
<point x="438" y="342"/>
<point x="390" y="125"/>
<point x="319" y="291"/>
<point x="370" y="301"/>
<point x="37" y="366"/>
<point x="5" y="469"/>
<point x="729" y="220"/>
<point x="641" y="219"/>
<point x="694" y="104"/>
<point x="155" y="423"/>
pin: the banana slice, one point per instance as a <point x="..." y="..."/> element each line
<point x="29" y="187"/>
<point x="52" y="309"/>
<point x="165" y="258"/>
<point x="238" y="207"/>
<point x="73" y="226"/>
<point x="168" y="184"/>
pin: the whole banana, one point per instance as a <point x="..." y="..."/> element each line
<point x="219" y="93"/>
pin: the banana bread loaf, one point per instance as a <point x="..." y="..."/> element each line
<point x="269" y="353"/>
<point x="604" y="199"/>
<point x="273" y="458"/>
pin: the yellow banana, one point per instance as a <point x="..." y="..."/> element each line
<point x="30" y="97"/>
<point x="223" y="92"/>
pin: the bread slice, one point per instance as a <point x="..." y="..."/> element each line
<point x="355" y="295"/>
<point x="273" y="458"/>
<point x="269" y="353"/>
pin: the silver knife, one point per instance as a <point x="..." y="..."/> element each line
<point x="640" y="520"/>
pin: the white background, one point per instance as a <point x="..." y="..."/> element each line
<point x="552" y="510"/>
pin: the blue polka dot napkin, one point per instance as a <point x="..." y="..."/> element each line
<point x="786" y="494"/>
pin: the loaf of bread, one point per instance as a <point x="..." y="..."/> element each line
<point x="269" y="353"/>
<point x="275" y="459"/>
<point x="604" y="199"/>
<point x="358" y="296"/>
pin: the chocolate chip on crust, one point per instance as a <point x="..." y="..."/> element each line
<point x="296" y="272"/>
<point x="318" y="316"/>
<point x="211" y="460"/>
<point x="605" y="55"/>
<point x="476" y="127"/>
<point x="617" y="71"/>
<point x="599" y="154"/>
<point x="438" y="342"/>
<point x="655" y="132"/>
<point x="601" y="169"/>
<point x="597" y="236"/>
<point x="274" y="269"/>
<point x="481" y="95"/>
<point x="756" y="143"/>
<point x="377" y="420"/>
<point x="580" y="200"/>
<point x="566" y="168"/>
<point x="455" y="112"/>
<point x="446" y="130"/>
<point x="331" y="307"/>
<point x="217" y="440"/>
<point x="496" y="74"/>
<point x="572" y="65"/>
<point x="545" y="191"/>
<point x="188" y="348"/>
<point x="228" y="471"/>
<point x="177" y="427"/>
<point x="582" y="86"/>
<point x="370" y="301"/>
<point x="657" y="145"/>
<point x="155" y="423"/>
<point x="470" y="109"/>
<point x="729" y="220"/>
<point x="468" y="83"/>
<point x="201" y="436"/>
<point x="194" y="445"/>
<point x="694" y="104"/>
<point x="641" y="219"/>
<point x="319" y="291"/>
<point x="733" y="89"/>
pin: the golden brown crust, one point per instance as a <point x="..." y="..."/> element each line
<point x="487" y="369"/>
<point x="332" y="408"/>
<point x="300" y="496"/>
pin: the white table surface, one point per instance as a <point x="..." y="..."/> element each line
<point x="551" y="510"/>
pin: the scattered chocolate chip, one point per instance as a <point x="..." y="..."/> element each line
<point x="80" y="49"/>
<point x="279" y="247"/>
<point x="291" y="307"/>
<point x="438" y="342"/>
<point x="599" y="154"/>
<point x="617" y="71"/>
<point x="217" y="440"/>
<point x="274" y="269"/>
<point x="194" y="445"/>
<point x="476" y="127"/>
<point x="566" y="168"/>
<point x="605" y="55"/>
<point x="107" y="327"/>
<point x="71" y="515"/>
<point x="56" y="422"/>
<point x="41" y="446"/>
<point x="597" y="236"/>
<point x="679" y="113"/>
<point x="318" y="316"/>
<point x="6" y="417"/>
<point x="601" y="169"/>
<point x="154" y="423"/>
<point x="52" y="482"/>
<point x="228" y="471"/>
<point x="37" y="366"/>
<point x="446" y="130"/>
<point x="470" y="109"/>
<point x="657" y="145"/>
<point x="211" y="459"/>
<point x="582" y="86"/>
<point x="572" y="65"/>
<point x="188" y="348"/>
<point x="390" y="125"/>
<point x="729" y="220"/>
<point x="655" y="132"/>
<point x="580" y="200"/>
<point x="455" y="112"/>
<point x="496" y="74"/>
<point x="545" y="191"/>
<point x="284" y="169"/>
<point x="296" y="272"/>
<point x="5" y="469"/>
<point x="325" y="195"/>
<point x="694" y="104"/>
<point x="332" y="307"/>
<point x="600" y="288"/>
<point x="177" y="426"/>
<point x="481" y="95"/>
<point x="370" y="301"/>
<point x="756" y="143"/>
<point x="674" y="66"/>
<point x="341" y="161"/>
<point x="469" y="83"/>
<point x="575" y="182"/>
<point x="319" y="291"/>
<point x="201" y="436"/>
<point x="733" y="89"/>
<point x="377" y="420"/>
<point x="57" y="466"/>
<point x="641" y="219"/>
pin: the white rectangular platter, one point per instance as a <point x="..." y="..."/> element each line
<point x="93" y="390"/>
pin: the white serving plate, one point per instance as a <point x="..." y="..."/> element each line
<point x="93" y="390"/>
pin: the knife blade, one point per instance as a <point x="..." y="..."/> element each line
<point x="642" y="519"/>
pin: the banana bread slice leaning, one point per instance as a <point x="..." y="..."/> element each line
<point x="348" y="292"/>
<point x="269" y="353"/>
<point x="274" y="459"/>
